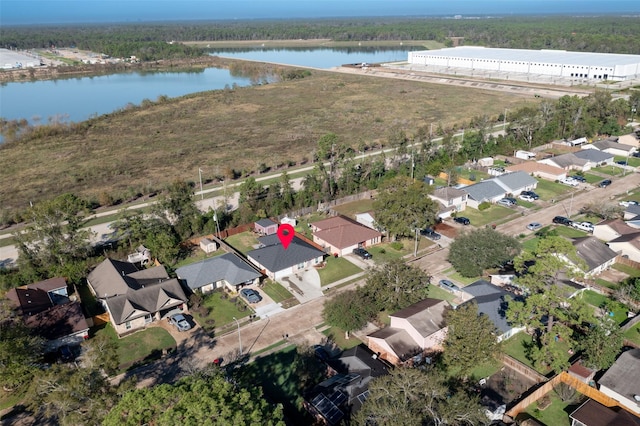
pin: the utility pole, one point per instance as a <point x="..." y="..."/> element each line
<point x="200" y="176"/>
<point x="239" y="336"/>
<point x="504" y="121"/>
<point x="415" y="248"/>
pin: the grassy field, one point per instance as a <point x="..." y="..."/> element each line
<point x="436" y="292"/>
<point x="609" y="170"/>
<point x="632" y="272"/>
<point x="556" y="414"/>
<point x="350" y="209"/>
<point x="221" y="311"/>
<point x="492" y="215"/>
<point x="141" y="345"/>
<point x="570" y="232"/>
<point x="244" y="242"/>
<point x="548" y="190"/>
<point x="598" y="300"/>
<point x="633" y="334"/>
<point x="632" y="161"/>
<point x="276" y="291"/>
<point x="337" y="335"/>
<point x="337" y="269"/>
<point x="139" y="149"/>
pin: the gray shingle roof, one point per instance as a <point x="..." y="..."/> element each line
<point x="566" y="160"/>
<point x="491" y="302"/>
<point x="484" y="190"/>
<point x="146" y="300"/>
<point x="593" y="251"/>
<point x="515" y="181"/>
<point x="622" y="376"/>
<point x="228" y="267"/>
<point x="265" y="223"/>
<point x="275" y="258"/>
<point x="593" y="155"/>
<point x="606" y="144"/>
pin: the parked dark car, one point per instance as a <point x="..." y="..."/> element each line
<point x="321" y="353"/>
<point x="636" y="154"/>
<point x="622" y="162"/>
<point x="530" y="194"/>
<point x="562" y="220"/>
<point x="578" y="178"/>
<point x="431" y="234"/>
<point x="251" y="295"/>
<point x="360" y="252"/>
<point x="461" y="219"/>
<point x="605" y="183"/>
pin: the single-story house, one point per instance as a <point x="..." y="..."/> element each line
<point x="266" y="227"/>
<point x="516" y="182"/>
<point x="453" y="200"/>
<point x="631" y="212"/>
<point x="611" y="229"/>
<point x="567" y="162"/>
<point x="367" y="220"/>
<point x="627" y="245"/>
<point x="632" y="139"/>
<point x="485" y="191"/>
<point x="208" y="246"/>
<point x="276" y="262"/>
<point x="595" y="157"/>
<point x="49" y="313"/>
<point x="341" y="235"/>
<point x="135" y="297"/>
<point x="538" y="169"/>
<point x="596" y="254"/>
<point x="344" y="392"/>
<point x="592" y="413"/>
<point x="612" y="147"/>
<point x="620" y="381"/>
<point x="414" y="330"/>
<point x="229" y="271"/>
<point x="493" y="302"/>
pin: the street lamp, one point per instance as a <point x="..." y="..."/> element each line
<point x="239" y="336"/>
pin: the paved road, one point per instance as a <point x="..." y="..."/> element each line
<point x="571" y="205"/>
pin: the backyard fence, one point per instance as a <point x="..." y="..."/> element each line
<point x="628" y="262"/>
<point x="523" y="369"/>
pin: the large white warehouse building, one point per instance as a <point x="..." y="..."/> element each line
<point x="557" y="63"/>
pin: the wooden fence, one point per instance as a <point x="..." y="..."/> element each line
<point x="628" y="262"/>
<point x="523" y="369"/>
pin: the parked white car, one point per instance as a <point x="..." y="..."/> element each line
<point x="569" y="181"/>
<point x="583" y="226"/>
<point x="527" y="198"/>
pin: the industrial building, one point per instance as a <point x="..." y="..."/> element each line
<point x="552" y="63"/>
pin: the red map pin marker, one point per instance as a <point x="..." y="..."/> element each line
<point x="286" y="234"/>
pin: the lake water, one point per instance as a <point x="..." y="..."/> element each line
<point x="78" y="99"/>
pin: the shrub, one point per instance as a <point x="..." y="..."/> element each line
<point x="397" y="245"/>
<point x="484" y="205"/>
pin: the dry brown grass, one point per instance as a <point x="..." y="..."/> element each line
<point x="148" y="147"/>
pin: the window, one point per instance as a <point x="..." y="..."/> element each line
<point x="301" y="265"/>
<point x="148" y="319"/>
<point x="127" y="325"/>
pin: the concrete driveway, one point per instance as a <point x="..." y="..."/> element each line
<point x="305" y="286"/>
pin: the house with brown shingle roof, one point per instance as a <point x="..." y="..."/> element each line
<point x="135" y="297"/>
<point x="611" y="229"/>
<point x="627" y="245"/>
<point x="541" y="170"/>
<point x="341" y="235"/>
<point x="49" y="313"/>
<point x="414" y="330"/>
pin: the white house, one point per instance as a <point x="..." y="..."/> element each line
<point x="611" y="229"/>
<point x="612" y="147"/>
<point x="417" y="329"/>
<point x="627" y="245"/>
<point x="227" y="271"/>
<point x="621" y="383"/>
<point x="541" y="170"/>
<point x="277" y="262"/>
<point x="453" y="200"/>
<point x="516" y="182"/>
<point x="485" y="191"/>
<point x="597" y="256"/>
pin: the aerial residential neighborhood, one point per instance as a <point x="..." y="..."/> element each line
<point x="440" y="231"/>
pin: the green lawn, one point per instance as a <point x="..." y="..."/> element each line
<point x="336" y="269"/>
<point x="493" y="214"/>
<point x="141" y="346"/>
<point x="350" y="209"/>
<point x="89" y="303"/>
<point x="479" y="372"/>
<point x="276" y="291"/>
<point x="591" y="178"/>
<point x="598" y="300"/>
<point x="632" y="161"/>
<point x="632" y="272"/>
<point x="556" y="414"/>
<point x="456" y="277"/>
<point x="570" y="232"/>
<point x="243" y="242"/>
<point x="515" y="347"/>
<point x="276" y="374"/>
<point x="548" y="190"/>
<point x="221" y="311"/>
<point x="586" y="218"/>
<point x="633" y="334"/>
<point x="435" y="292"/>
<point x="608" y="170"/>
<point x="302" y="227"/>
<point x="527" y="204"/>
<point x="197" y="255"/>
<point x="337" y="335"/>
<point x="530" y="244"/>
<point x="383" y="253"/>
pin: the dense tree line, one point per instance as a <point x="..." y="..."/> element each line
<point x="607" y="34"/>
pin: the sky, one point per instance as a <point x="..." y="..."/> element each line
<point x="30" y="12"/>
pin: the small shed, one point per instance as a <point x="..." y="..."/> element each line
<point x="366" y="219"/>
<point x="485" y="162"/>
<point x="428" y="180"/>
<point x="266" y="227"/>
<point x="289" y="221"/>
<point x="208" y="246"/>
